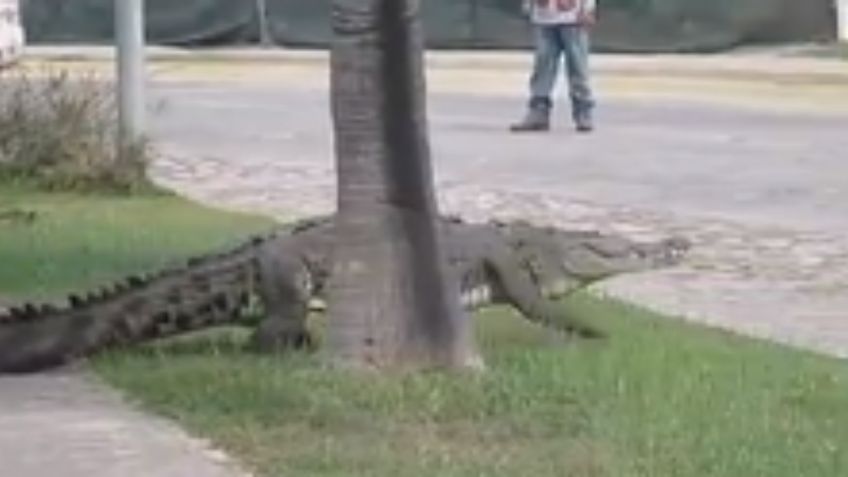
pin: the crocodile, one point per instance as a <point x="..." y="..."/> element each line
<point x="286" y="272"/>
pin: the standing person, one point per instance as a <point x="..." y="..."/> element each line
<point x="561" y="29"/>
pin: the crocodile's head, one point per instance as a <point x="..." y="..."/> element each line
<point x="593" y="256"/>
<point x="562" y="261"/>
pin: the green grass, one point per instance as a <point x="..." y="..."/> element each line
<point x="829" y="50"/>
<point x="659" y="398"/>
<point x="79" y="241"/>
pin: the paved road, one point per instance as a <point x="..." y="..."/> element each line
<point x="761" y="188"/>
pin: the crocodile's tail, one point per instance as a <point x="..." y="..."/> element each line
<point x="203" y="292"/>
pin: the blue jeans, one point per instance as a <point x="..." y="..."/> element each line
<point x="553" y="42"/>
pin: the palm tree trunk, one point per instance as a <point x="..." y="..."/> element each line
<point x="392" y="302"/>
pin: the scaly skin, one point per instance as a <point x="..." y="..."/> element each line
<point x="517" y="264"/>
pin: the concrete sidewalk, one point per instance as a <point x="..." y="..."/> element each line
<point x="753" y="65"/>
<point x="67" y="424"/>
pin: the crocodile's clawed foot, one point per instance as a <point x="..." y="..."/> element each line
<point x="589" y="333"/>
<point x="270" y="341"/>
<point x="568" y="336"/>
<point x="26" y="217"/>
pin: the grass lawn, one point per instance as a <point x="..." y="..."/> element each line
<point x="660" y="398"/>
<point x="77" y="242"/>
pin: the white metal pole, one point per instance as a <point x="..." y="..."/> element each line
<point x="129" y="31"/>
<point x="264" y="28"/>
<point x="842" y="20"/>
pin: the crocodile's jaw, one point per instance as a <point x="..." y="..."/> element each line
<point x="597" y="260"/>
<point x="476" y="297"/>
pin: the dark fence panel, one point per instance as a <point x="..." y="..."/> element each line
<point x="626" y="25"/>
<point x="168" y="21"/>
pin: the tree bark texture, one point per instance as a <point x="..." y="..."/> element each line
<point x="392" y="302"/>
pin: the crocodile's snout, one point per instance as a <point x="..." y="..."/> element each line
<point x="667" y="252"/>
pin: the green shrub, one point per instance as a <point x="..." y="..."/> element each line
<point x="60" y="131"/>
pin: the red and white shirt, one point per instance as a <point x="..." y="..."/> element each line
<point x="558" y="12"/>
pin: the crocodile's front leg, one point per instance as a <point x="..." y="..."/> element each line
<point x="517" y="289"/>
<point x="284" y="289"/>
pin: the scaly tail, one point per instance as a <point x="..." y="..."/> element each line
<point x="204" y="292"/>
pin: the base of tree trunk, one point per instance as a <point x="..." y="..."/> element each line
<point x="393" y="303"/>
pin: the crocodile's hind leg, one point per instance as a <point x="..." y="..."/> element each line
<point x="284" y="291"/>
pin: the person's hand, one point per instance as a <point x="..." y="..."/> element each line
<point x="586" y="18"/>
<point x="526" y="8"/>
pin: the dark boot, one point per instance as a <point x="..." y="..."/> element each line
<point x="583" y="122"/>
<point x="538" y="117"/>
<point x="583" y="119"/>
